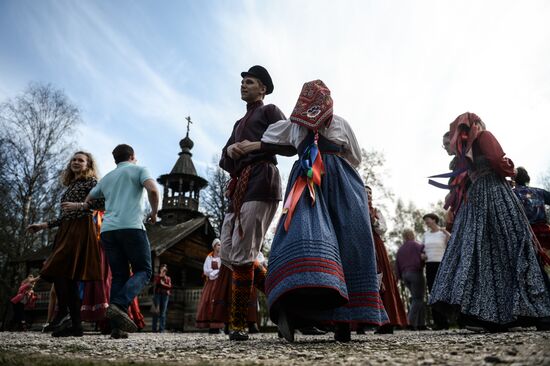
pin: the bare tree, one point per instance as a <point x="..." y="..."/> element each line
<point x="36" y="135"/>
<point x="214" y="202"/>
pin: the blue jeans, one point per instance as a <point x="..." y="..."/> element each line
<point x="125" y="248"/>
<point x="160" y="300"/>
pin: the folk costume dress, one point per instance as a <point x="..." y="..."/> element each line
<point x="76" y="253"/>
<point x="222" y="293"/>
<point x="211" y="271"/>
<point x="491" y="271"/>
<point x="95" y="299"/>
<point x="389" y="291"/>
<point x="255" y="192"/>
<point x="95" y="294"/>
<point x="322" y="266"/>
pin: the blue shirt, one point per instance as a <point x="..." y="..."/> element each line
<point x="122" y="189"/>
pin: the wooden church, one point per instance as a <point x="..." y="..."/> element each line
<point x="182" y="239"/>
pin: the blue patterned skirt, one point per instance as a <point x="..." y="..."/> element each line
<point x="324" y="268"/>
<point x="490" y="271"/>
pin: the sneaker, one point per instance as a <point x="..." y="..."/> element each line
<point x="119" y="334"/>
<point x="121" y="318"/>
<point x="238" y="335"/>
<point x="72" y="331"/>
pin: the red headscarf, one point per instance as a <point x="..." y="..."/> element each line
<point x="314" y="106"/>
<point x="465" y="129"/>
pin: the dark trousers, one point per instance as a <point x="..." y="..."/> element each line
<point x="440" y="320"/>
<point x="68" y="299"/>
<point x="416" y="284"/>
<point x="18" y="313"/>
<point x="125" y="248"/>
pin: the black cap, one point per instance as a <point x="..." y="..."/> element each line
<point x="259" y="72"/>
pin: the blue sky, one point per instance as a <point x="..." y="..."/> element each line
<point x="399" y="71"/>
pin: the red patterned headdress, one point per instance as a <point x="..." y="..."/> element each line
<point x="314" y="106"/>
<point x="465" y="129"/>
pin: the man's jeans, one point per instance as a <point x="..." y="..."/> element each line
<point x="160" y="300"/>
<point x="125" y="248"/>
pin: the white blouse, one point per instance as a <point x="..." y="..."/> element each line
<point x="207" y="269"/>
<point x="339" y="132"/>
<point x="434" y="245"/>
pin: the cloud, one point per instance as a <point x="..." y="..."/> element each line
<point x="400" y="72"/>
<point x="135" y="99"/>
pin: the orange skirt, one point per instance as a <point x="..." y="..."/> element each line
<point x="390" y="296"/>
<point x="75" y="253"/>
<point x="206" y="306"/>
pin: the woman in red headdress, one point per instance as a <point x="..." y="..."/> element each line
<point x="322" y="266"/>
<point x="492" y="271"/>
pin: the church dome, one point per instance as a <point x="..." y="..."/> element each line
<point x="186" y="143"/>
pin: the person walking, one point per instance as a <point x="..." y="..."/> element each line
<point x="322" y="265"/>
<point x="75" y="255"/>
<point x="409" y="264"/>
<point x="123" y="234"/>
<point x="435" y="242"/>
<point x="163" y="286"/>
<point x="254" y="192"/>
<point x="491" y="272"/>
<point x="388" y="289"/>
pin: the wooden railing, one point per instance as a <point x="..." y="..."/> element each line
<point x="189" y="297"/>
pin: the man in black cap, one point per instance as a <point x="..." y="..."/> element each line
<point x="254" y="193"/>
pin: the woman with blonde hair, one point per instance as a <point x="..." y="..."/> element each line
<point x="75" y="256"/>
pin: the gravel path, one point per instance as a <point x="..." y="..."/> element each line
<point x="456" y="347"/>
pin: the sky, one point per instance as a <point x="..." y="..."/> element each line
<point x="399" y="73"/>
